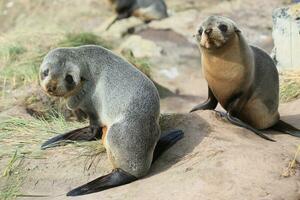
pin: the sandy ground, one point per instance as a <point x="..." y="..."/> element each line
<point x="215" y="160"/>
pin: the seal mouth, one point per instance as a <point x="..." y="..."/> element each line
<point x="55" y="94"/>
<point x="211" y="43"/>
<point x="65" y="94"/>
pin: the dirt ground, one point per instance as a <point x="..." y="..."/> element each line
<point x="214" y="161"/>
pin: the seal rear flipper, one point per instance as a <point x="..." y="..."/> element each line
<point x="111" y="23"/>
<point x="81" y="134"/>
<point x="284" y="127"/>
<point x="210" y="104"/>
<point x="117" y="18"/>
<point x="165" y="142"/>
<point x="240" y="123"/>
<point x="116" y="178"/>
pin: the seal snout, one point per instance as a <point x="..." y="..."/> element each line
<point x="51" y="86"/>
<point x="208" y="31"/>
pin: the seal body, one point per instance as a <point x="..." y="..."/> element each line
<point x="241" y="77"/>
<point x="146" y="10"/>
<point x="237" y="68"/>
<point x="122" y="105"/>
<point x="115" y="95"/>
<point x="149" y="10"/>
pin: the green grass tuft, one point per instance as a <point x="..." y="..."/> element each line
<point x="21" y="66"/>
<point x="143" y="64"/>
<point x="11" y="189"/>
<point x="11" y="52"/>
<point x="289" y="86"/>
<point x="9" y="168"/>
<point x="85" y="38"/>
<point x="289" y="91"/>
<point x="15" y="127"/>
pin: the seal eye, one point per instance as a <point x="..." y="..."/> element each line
<point x="200" y="31"/>
<point x="223" y="27"/>
<point x="45" y="73"/>
<point x="69" y="79"/>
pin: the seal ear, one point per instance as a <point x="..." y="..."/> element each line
<point x="237" y="30"/>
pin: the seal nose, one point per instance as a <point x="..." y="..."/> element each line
<point x="208" y="31"/>
<point x="51" y="87"/>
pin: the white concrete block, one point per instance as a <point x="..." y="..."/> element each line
<point x="286" y="35"/>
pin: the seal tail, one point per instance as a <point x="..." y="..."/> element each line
<point x="284" y="127"/>
<point x="240" y="123"/>
<point x="119" y="177"/>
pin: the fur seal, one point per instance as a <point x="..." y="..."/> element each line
<point x="241" y="77"/>
<point x="122" y="105"/>
<point x="146" y="10"/>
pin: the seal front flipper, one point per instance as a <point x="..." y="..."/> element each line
<point x="165" y="142"/>
<point x="82" y="134"/>
<point x="116" y="178"/>
<point x="284" y="127"/>
<point x="210" y="104"/>
<point x="240" y="123"/>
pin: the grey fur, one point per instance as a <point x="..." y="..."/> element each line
<point x="145" y="9"/>
<point x="114" y="94"/>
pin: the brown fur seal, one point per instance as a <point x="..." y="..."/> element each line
<point x="122" y="105"/>
<point x="241" y="77"/>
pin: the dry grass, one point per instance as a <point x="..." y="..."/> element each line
<point x="21" y="138"/>
<point x="289" y="86"/>
<point x="291" y="169"/>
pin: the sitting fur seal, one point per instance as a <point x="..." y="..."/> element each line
<point x="146" y="10"/>
<point x="122" y="105"/>
<point x="241" y="77"/>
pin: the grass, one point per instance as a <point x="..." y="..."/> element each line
<point x="289" y="87"/>
<point x="11" y="52"/>
<point x="12" y="188"/>
<point x="291" y="169"/>
<point x="8" y="170"/>
<point x="26" y="136"/>
<point x="84" y="38"/>
<point x="24" y="129"/>
<point x="20" y="139"/>
<point x="142" y="64"/>
<point x="14" y="177"/>
<point x="21" y="68"/>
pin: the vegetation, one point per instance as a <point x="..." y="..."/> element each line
<point x="142" y="64"/>
<point x="21" y="68"/>
<point x="84" y="38"/>
<point x="289" y="86"/>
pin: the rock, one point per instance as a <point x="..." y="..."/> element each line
<point x="286" y="34"/>
<point x="182" y="23"/>
<point x="141" y="47"/>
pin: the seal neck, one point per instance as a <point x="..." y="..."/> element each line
<point x="75" y="100"/>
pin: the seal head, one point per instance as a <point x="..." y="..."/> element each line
<point x="59" y="76"/>
<point x="215" y="32"/>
